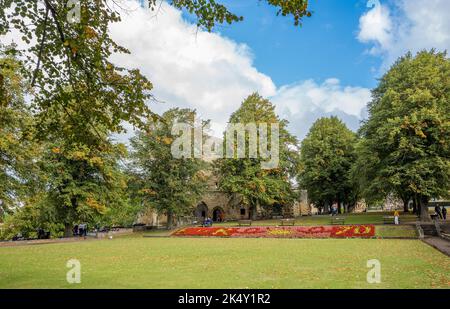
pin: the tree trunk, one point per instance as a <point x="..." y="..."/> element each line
<point x="415" y="206"/>
<point x="68" y="230"/>
<point x="326" y="209"/>
<point x="253" y="213"/>
<point x="169" y="220"/>
<point x="424" y="215"/>
<point x="405" y="206"/>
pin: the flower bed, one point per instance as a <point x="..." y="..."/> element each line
<point x="342" y="231"/>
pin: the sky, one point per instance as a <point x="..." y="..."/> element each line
<point x="325" y="67"/>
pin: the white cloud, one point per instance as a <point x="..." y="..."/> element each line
<point x="330" y="96"/>
<point x="189" y="67"/>
<point x="375" y="26"/>
<point x="409" y="25"/>
<point x="302" y="103"/>
<point x="213" y="74"/>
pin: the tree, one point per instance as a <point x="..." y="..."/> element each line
<point x="327" y="155"/>
<point x="167" y="184"/>
<point x="17" y="148"/>
<point x="373" y="189"/>
<point x="83" y="177"/>
<point x="35" y="214"/>
<point x="245" y="176"/>
<point x="408" y="129"/>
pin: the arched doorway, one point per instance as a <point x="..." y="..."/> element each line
<point x="201" y="211"/>
<point x="218" y="214"/>
<point x="277" y="209"/>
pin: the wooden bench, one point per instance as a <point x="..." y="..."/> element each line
<point x="284" y="222"/>
<point x="337" y="220"/>
<point x="389" y="220"/>
<point x="434" y="217"/>
<point x="245" y="222"/>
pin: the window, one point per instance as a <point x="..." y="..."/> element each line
<point x="242" y="211"/>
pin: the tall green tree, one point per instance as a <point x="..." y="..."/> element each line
<point x="17" y="148"/>
<point x="408" y="130"/>
<point x="327" y="156"/>
<point x="167" y="184"/>
<point x="246" y="176"/>
<point x="83" y="180"/>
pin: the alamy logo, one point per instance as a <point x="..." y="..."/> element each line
<point x="74" y="13"/>
<point x="374" y="274"/>
<point x="74" y="274"/>
<point x="373" y="3"/>
<point x="242" y="141"/>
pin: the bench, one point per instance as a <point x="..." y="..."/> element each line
<point x="287" y="222"/>
<point x="434" y="217"/>
<point x="389" y="220"/>
<point x="245" y="222"/>
<point x="337" y="221"/>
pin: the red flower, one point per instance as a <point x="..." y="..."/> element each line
<point x="344" y="231"/>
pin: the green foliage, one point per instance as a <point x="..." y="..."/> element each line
<point x="17" y="149"/>
<point x="170" y="186"/>
<point x="245" y="177"/>
<point x="209" y="13"/>
<point x="297" y="8"/>
<point x="36" y="213"/>
<point x="327" y="155"/>
<point x="408" y="131"/>
<point x="68" y="64"/>
<point x="83" y="180"/>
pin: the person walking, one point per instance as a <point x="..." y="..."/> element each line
<point x="396" y="217"/>
<point x="444" y="213"/>
<point x="437" y="209"/>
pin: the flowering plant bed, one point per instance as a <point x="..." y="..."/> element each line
<point x="342" y="231"/>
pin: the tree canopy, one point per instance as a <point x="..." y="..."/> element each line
<point x="169" y="185"/>
<point x="326" y="159"/>
<point x="245" y="176"/>
<point x="17" y="147"/>
<point x="408" y="130"/>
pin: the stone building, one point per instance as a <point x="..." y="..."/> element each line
<point x="220" y="207"/>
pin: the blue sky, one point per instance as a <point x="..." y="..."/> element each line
<point x="326" y="67"/>
<point x="325" y="45"/>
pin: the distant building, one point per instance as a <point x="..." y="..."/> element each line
<point x="220" y="206"/>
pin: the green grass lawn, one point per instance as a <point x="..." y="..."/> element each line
<point x="137" y="262"/>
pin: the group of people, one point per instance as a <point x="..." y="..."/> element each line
<point x="80" y="230"/>
<point x="334" y="210"/>
<point x="207" y="222"/>
<point x="442" y="214"/>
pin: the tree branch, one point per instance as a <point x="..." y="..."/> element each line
<point x="41" y="48"/>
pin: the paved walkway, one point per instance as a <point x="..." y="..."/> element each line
<point x="439" y="243"/>
<point x="43" y="241"/>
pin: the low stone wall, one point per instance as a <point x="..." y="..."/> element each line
<point x="113" y="233"/>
